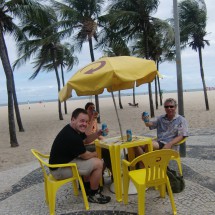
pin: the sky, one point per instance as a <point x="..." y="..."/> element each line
<point x="44" y="86"/>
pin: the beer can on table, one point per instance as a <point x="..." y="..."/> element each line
<point x="145" y="114"/>
<point x="129" y="135"/>
<point x="104" y="126"/>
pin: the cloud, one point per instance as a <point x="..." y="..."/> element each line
<point x="44" y="86"/>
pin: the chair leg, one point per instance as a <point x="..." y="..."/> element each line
<point x="125" y="189"/>
<point x="178" y="160"/>
<point x="75" y="187"/>
<point x="171" y="197"/>
<point x="86" y="203"/>
<point x="141" y="199"/>
<point x="52" y="199"/>
<point x="46" y="192"/>
<point x="162" y="189"/>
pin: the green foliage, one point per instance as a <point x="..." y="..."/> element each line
<point x="160" y="42"/>
<point x="80" y="17"/>
<point x="193" y="20"/>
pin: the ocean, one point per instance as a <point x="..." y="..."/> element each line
<point x="100" y="96"/>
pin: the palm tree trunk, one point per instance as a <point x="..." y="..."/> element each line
<point x="63" y="82"/>
<point x="156" y="93"/>
<point x="152" y="114"/>
<point x="58" y="84"/>
<point x="16" y="106"/>
<point x="151" y="100"/>
<point x="160" y="92"/>
<point x="120" y="102"/>
<point x="159" y="88"/>
<point x="203" y="78"/>
<point x="96" y="96"/>
<point x="134" y="102"/>
<point x="9" y="77"/>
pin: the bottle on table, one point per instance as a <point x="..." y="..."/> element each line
<point x="129" y="135"/>
<point x="104" y="126"/>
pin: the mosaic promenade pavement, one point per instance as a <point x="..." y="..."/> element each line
<point x="21" y="188"/>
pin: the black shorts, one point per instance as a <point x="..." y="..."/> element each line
<point x="161" y="144"/>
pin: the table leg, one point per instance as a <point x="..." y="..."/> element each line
<point x="115" y="171"/>
<point x="99" y="153"/>
<point x="118" y="182"/>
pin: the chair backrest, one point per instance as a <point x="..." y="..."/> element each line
<point x="44" y="165"/>
<point x="182" y="141"/>
<point x="41" y="158"/>
<point x="156" y="163"/>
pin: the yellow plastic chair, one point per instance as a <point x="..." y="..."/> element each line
<point x="51" y="185"/>
<point x="153" y="175"/>
<point x="178" y="159"/>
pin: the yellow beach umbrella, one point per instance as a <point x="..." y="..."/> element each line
<point x="111" y="73"/>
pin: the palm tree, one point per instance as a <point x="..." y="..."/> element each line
<point x="16" y="107"/>
<point x="9" y="77"/>
<point x="8" y="11"/>
<point x="64" y="59"/>
<point x="133" y="17"/>
<point x="169" y="54"/>
<point x="161" y="44"/>
<point x="193" y="20"/>
<point x="67" y="60"/>
<point x="81" y="17"/>
<point x="161" y="48"/>
<point x="113" y="45"/>
<point x="42" y="43"/>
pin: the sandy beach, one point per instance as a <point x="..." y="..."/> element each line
<point x="41" y="123"/>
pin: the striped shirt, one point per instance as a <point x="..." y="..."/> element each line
<point x="167" y="130"/>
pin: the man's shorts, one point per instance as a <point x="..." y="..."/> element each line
<point x="85" y="167"/>
<point x="90" y="147"/>
<point x="161" y="144"/>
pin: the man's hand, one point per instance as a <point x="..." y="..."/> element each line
<point x="87" y="155"/>
<point x="173" y="142"/>
<point x="94" y="154"/>
<point x="167" y="146"/>
<point x="145" y="119"/>
<point x="95" y="114"/>
<point x="99" y="132"/>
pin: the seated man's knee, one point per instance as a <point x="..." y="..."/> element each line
<point x="156" y="145"/>
<point x="98" y="163"/>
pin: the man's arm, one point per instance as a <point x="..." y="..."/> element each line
<point x="89" y="129"/>
<point x="90" y="138"/>
<point x="173" y="142"/>
<point x="87" y="155"/>
<point x="147" y="122"/>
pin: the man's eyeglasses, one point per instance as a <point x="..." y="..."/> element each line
<point x="169" y="106"/>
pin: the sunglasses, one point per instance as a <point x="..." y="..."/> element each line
<point x="170" y="106"/>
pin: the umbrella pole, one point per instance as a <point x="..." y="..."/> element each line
<point x="120" y="127"/>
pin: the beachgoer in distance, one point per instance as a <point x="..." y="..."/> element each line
<point x="68" y="146"/>
<point x="171" y="127"/>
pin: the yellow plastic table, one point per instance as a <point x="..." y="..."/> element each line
<point x="115" y="145"/>
<point x="107" y="144"/>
